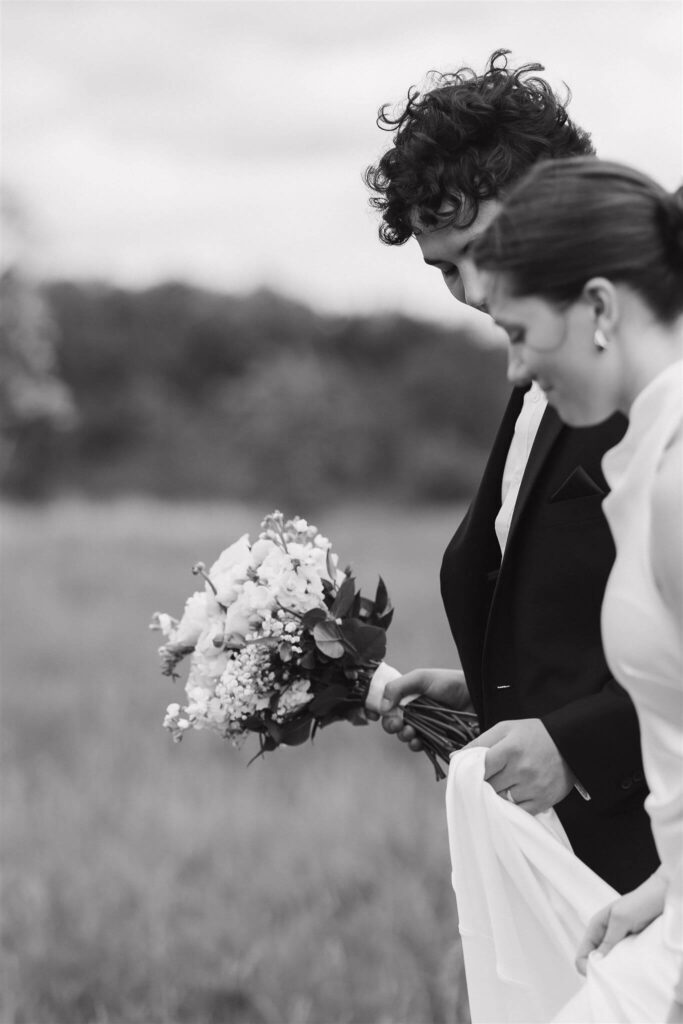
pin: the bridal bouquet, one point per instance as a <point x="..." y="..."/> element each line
<point x="281" y="642"/>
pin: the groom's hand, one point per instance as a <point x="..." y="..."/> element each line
<point x="522" y="758"/>
<point x="444" y="685"/>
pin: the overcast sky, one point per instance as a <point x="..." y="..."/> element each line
<point x="223" y="142"/>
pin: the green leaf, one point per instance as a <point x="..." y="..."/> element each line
<point x="357" y="716"/>
<point x="327" y="639"/>
<point x="328" y="700"/>
<point x="382" y="602"/>
<point x="369" y="643"/>
<point x="296" y="732"/>
<point x="310" y="618"/>
<point x="344" y="598"/>
<point x="308" y="661"/>
<point x="274" y="732"/>
<point x="384" y="621"/>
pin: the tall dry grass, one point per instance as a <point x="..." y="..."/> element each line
<point x="148" y="882"/>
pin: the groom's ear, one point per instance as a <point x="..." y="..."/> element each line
<point x="601" y="295"/>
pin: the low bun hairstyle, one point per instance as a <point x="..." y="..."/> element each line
<point x="572" y="219"/>
<point x="671" y="226"/>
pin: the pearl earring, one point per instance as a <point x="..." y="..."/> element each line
<point x="599" y="340"/>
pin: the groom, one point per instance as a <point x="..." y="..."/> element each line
<point x="523" y="578"/>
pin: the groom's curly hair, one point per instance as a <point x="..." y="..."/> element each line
<point x="466" y="139"/>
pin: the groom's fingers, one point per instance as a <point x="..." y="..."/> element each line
<point x="495" y="763"/>
<point x="393" y="723"/>
<point x="501" y="780"/>
<point x="497" y="752"/>
<point x="409" y="685"/>
<point x="491" y="737"/>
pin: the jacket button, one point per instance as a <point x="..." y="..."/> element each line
<point x="627" y="783"/>
<point x="637" y="776"/>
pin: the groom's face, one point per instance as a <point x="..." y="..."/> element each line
<point x="448" y="250"/>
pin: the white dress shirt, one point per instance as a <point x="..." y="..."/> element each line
<point x="526" y="427"/>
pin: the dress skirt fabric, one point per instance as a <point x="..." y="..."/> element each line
<point x="524" y="901"/>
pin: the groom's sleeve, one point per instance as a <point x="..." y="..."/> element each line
<point x="599" y="738"/>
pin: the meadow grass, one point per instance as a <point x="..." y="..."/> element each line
<point x="144" y="881"/>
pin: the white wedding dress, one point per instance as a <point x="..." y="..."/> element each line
<point x="524" y="899"/>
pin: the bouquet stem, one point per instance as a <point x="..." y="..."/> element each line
<point x="441" y="730"/>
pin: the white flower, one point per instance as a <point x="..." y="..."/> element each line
<point x="210" y="643"/>
<point x="260" y="550"/>
<point x="174" y="722"/>
<point x="257" y="597"/>
<point x="274" y="564"/>
<point x="165" y="623"/>
<point x="205" y="672"/>
<point x="296" y="696"/>
<point x="235" y="554"/>
<point x="198" y="609"/>
<point x="237" y="620"/>
<point x="230" y="570"/>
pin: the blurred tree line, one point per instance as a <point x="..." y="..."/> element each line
<point x="176" y="391"/>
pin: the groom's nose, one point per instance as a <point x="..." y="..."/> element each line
<point x="518" y="370"/>
<point x="472" y="286"/>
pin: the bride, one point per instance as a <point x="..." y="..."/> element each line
<point x="583" y="267"/>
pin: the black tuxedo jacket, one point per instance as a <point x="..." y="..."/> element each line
<point x="528" y="632"/>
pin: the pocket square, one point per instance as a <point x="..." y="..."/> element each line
<point x="579" y="484"/>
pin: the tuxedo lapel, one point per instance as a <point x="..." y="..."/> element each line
<point x="548" y="432"/>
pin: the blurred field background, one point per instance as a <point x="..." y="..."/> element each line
<point x="144" y="881"/>
<point x="141" y="431"/>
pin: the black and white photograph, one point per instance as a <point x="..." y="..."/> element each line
<point x="341" y="512"/>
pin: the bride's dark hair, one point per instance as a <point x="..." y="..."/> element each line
<point x="466" y="139"/>
<point x="570" y="220"/>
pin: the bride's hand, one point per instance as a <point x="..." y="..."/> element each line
<point x="444" y="685"/>
<point x="626" y="916"/>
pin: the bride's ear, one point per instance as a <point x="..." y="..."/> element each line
<point x="603" y="298"/>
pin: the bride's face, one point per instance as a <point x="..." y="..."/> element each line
<point x="553" y="346"/>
